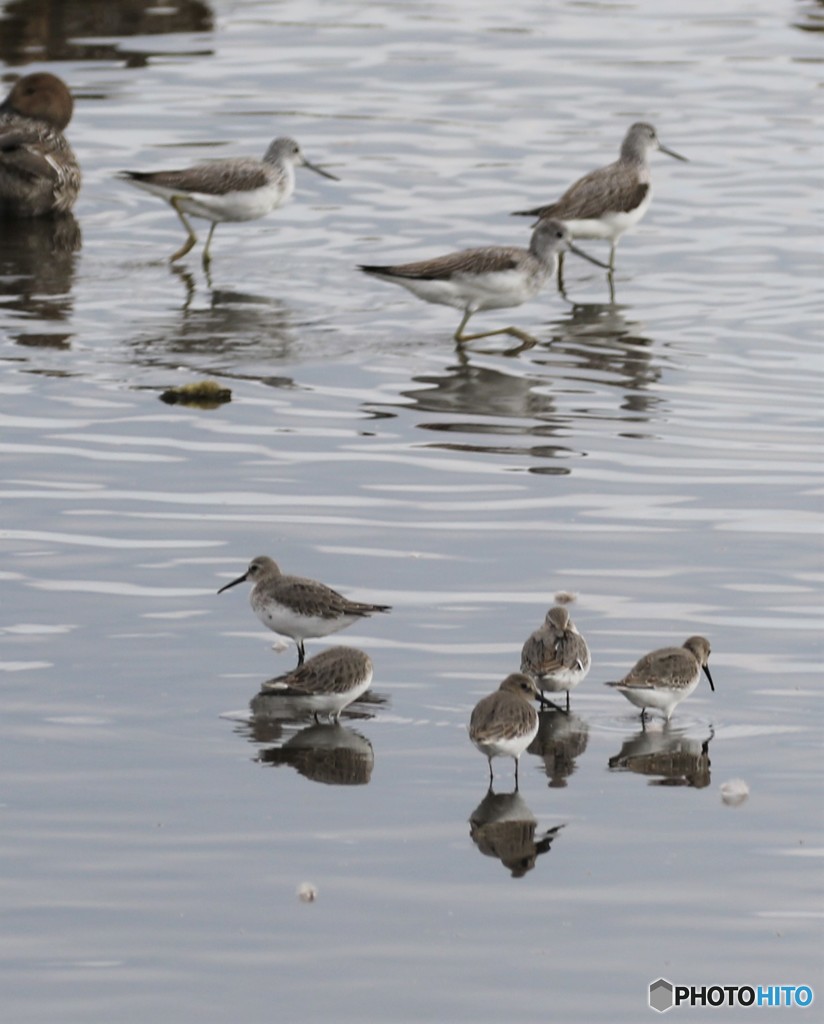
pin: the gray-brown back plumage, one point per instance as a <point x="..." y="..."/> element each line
<point x="556" y="655"/>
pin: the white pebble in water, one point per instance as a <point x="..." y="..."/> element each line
<point x="734" y="792"/>
<point x="307" y="893"/>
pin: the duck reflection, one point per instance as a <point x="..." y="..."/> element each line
<point x="503" y="826"/>
<point x="37" y="268"/>
<point x="562" y="738"/>
<point x="328" y="753"/>
<point x="84" y="29"/>
<point x="669" y="757"/>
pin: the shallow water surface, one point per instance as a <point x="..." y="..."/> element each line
<point x="657" y="457"/>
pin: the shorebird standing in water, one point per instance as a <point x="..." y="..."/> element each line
<point x="297" y="607"/>
<point x="556" y="655"/>
<point x="506" y="722"/>
<point x="494" y="277"/>
<point x="326" y="683"/>
<point x="39" y="173"/>
<point x="609" y="201"/>
<point x="663" y="678"/>
<point x="232" y="189"/>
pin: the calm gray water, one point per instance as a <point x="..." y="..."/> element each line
<point x="659" y="457"/>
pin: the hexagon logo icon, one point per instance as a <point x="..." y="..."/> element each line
<point x="660" y="995"/>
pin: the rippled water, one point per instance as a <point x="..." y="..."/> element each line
<point x="658" y="457"/>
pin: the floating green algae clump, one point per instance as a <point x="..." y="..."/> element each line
<point x="206" y="394"/>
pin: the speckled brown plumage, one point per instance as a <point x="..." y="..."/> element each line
<point x="39" y="173"/>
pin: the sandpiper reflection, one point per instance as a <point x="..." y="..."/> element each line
<point x="667" y="756"/>
<point x="503" y="826"/>
<point x="327" y="752"/>
<point x="562" y="738"/>
<point x="330" y="753"/>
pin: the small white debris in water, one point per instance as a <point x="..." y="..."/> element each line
<point x="734" y="792"/>
<point x="307" y="893"/>
<point x="280" y="646"/>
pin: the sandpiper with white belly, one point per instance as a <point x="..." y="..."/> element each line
<point x="326" y="683"/>
<point x="506" y="722"/>
<point x="297" y="607"/>
<point x="556" y="655"/>
<point x="663" y="678"/>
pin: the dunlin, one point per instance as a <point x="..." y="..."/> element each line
<point x="327" y="682"/>
<point x="297" y="607"/>
<point x="663" y="678"/>
<point x="39" y="173"/>
<point x="556" y="655"/>
<point x="506" y="722"/>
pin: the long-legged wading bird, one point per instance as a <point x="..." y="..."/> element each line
<point x="232" y="189"/>
<point x="610" y="200"/>
<point x="494" y="277"/>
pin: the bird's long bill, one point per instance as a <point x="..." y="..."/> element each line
<point x="319" y="170"/>
<point x="234" y="583"/>
<point x="669" y="152"/>
<point x="586" y="256"/>
<point x="707" y="674"/>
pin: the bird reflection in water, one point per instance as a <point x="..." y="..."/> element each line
<point x="330" y="753"/>
<point x="668" y="757"/>
<point x="249" y="328"/>
<point x="38" y="257"/>
<point x="562" y="738"/>
<point x="513" y="407"/>
<point x="92" y="30"/>
<point x="503" y="826"/>
<point x="601" y="345"/>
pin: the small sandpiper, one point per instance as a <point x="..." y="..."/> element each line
<point x="494" y="277"/>
<point x="506" y="722"/>
<point x="233" y="189"/>
<point x="39" y="173"/>
<point x="556" y="655"/>
<point x="663" y="678"/>
<point x="326" y="683"/>
<point x="607" y="202"/>
<point x="297" y="607"/>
